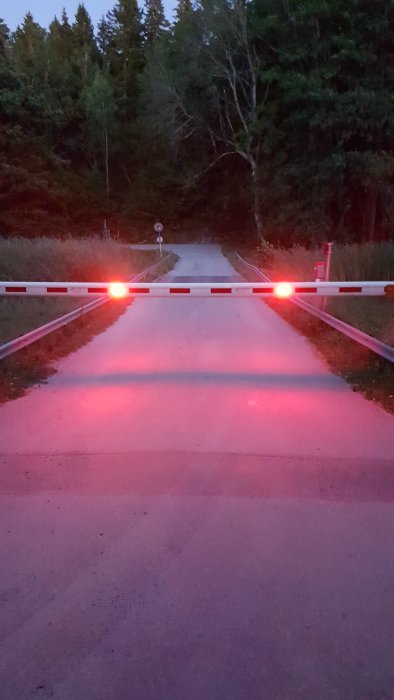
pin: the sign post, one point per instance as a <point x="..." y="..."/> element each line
<point x="328" y="251"/>
<point x="158" y="227"/>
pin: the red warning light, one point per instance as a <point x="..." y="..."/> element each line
<point x="283" y="290"/>
<point x="117" y="290"/>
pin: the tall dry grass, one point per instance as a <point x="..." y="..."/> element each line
<point x="371" y="261"/>
<point x="48" y="259"/>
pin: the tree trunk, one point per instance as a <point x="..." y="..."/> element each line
<point x="106" y="163"/>
<point x="256" y="201"/>
<point x="372" y="202"/>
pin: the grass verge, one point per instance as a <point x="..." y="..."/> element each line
<point x="34" y="363"/>
<point x="362" y="369"/>
<point x="46" y="259"/>
<point x="372" y="261"/>
<point x="78" y="260"/>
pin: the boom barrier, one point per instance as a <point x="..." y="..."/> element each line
<point x="197" y="289"/>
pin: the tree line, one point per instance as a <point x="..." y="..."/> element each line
<point x="267" y="119"/>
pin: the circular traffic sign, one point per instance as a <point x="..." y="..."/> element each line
<point x="158" y="227"/>
<point x="160" y="239"/>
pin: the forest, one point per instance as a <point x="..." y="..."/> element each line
<point x="266" y="120"/>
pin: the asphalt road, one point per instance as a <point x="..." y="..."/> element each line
<point x="194" y="508"/>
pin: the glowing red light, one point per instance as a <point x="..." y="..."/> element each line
<point x="284" y="290"/>
<point x="118" y="290"/>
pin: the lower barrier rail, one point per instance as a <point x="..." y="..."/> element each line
<point x="135" y="288"/>
<point x="207" y="289"/>
<point x="37" y="333"/>
<point x="376" y="346"/>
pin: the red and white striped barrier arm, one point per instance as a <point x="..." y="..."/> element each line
<point x="197" y="289"/>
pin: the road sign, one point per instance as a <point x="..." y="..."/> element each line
<point x="160" y="239"/>
<point x="158" y="227"/>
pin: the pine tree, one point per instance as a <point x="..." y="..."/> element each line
<point x="29" y="51"/>
<point x="60" y="52"/>
<point x="183" y="9"/>
<point x="105" y="40"/>
<point x="85" y="54"/>
<point x="155" y="23"/>
<point x="4" y="38"/>
<point x="126" y="48"/>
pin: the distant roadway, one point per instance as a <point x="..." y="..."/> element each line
<point x="195" y="508"/>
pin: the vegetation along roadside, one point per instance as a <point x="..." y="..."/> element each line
<point x="362" y="369"/>
<point x="45" y="259"/>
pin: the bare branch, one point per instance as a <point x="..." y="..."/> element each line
<point x="214" y="162"/>
<point x="126" y="175"/>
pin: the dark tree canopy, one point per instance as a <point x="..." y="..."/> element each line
<point x="265" y="119"/>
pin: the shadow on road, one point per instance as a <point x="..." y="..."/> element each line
<point x="201" y="474"/>
<point x="276" y="381"/>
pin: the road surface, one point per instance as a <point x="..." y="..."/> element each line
<point x="194" y="508"/>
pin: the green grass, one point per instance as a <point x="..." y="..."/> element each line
<point x="373" y="315"/>
<point x="19" y="316"/>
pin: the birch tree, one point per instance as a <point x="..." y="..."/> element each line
<point x="237" y="96"/>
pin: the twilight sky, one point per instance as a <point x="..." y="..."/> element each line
<point x="44" y="11"/>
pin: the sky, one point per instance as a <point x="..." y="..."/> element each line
<point x="43" y="11"/>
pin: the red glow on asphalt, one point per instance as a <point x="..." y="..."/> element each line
<point x="117" y="290"/>
<point x="283" y="290"/>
